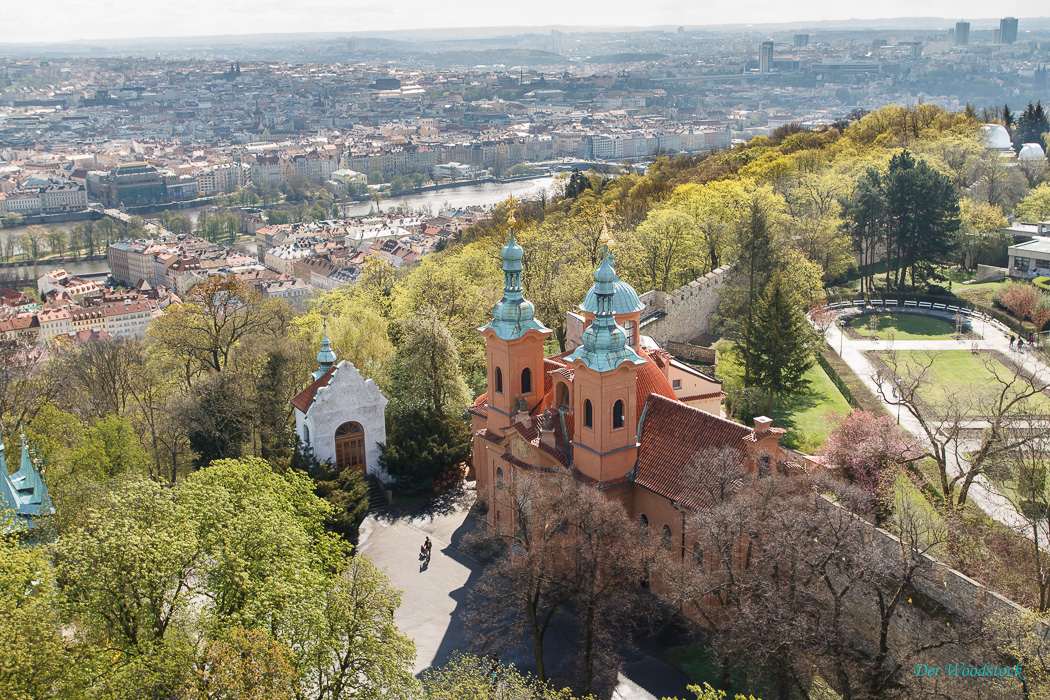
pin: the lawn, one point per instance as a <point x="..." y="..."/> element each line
<point x="982" y="293"/>
<point x="955" y="370"/>
<point x="804" y="416"/>
<point x="901" y="326"/>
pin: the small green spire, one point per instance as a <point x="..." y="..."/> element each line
<point x="326" y="358"/>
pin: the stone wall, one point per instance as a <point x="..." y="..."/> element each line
<point x="943" y="604"/>
<point x="696" y="353"/>
<point x="685" y="313"/>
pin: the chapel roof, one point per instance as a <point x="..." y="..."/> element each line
<point x="305" y="398"/>
<point x="672" y="435"/>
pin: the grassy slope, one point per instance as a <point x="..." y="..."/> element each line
<point x="804" y="417"/>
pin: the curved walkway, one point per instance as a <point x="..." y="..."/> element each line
<point x="983" y="492"/>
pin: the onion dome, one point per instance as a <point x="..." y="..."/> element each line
<point x="605" y="344"/>
<point x="513" y="315"/>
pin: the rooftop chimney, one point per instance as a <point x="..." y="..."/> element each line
<point x="762" y="424"/>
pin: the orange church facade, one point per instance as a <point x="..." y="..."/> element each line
<point x="617" y="412"/>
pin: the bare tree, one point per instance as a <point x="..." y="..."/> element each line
<point x="990" y="410"/>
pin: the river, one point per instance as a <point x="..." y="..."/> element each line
<point x="432" y="202"/>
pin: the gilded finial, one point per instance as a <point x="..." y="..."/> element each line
<point x="606" y="239"/>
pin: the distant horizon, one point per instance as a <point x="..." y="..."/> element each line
<point x="67" y="21"/>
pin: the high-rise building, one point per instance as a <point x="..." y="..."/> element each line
<point x="765" y="57"/>
<point x="962" y="33"/>
<point x="801" y="40"/>
<point x="1008" y="30"/>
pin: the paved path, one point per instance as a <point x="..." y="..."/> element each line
<point x="435" y="596"/>
<point x="983" y="493"/>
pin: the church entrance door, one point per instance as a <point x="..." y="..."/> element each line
<point x="350" y="446"/>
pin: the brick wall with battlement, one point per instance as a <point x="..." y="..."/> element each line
<point x="682" y="315"/>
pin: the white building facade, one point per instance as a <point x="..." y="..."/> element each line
<point x="342" y="416"/>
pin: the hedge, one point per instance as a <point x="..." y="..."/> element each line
<point x="854" y="390"/>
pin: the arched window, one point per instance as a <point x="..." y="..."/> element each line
<point x="563" y="394"/>
<point x="666" y="541"/>
<point x="526" y="380"/>
<point x="588" y="414"/>
<point x="499" y="381"/>
<point x="499" y="478"/>
<point x="618" y="414"/>
<point x="698" y="555"/>
<point x="644" y="521"/>
<point x="350" y="446"/>
<point x="306" y="434"/>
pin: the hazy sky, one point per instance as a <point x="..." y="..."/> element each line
<point x="62" y="20"/>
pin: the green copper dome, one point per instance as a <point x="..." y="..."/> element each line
<point x="513" y="315"/>
<point x="605" y="344"/>
<point x="624" y="299"/>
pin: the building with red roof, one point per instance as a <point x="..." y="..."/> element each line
<point x="616" y="412"/>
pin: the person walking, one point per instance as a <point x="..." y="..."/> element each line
<point x="1011" y="342"/>
<point x="1020" y="345"/>
<point x="427" y="546"/>
<point x="1031" y="338"/>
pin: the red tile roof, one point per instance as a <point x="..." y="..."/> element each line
<point x="305" y="398"/>
<point x="672" y="436"/>
<point x="651" y="380"/>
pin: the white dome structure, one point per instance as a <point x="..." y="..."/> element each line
<point x="996" y="137"/>
<point x="1031" y="151"/>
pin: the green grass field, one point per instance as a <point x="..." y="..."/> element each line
<point x="955" y="371"/>
<point x="803" y="417"/>
<point x="904" y="326"/>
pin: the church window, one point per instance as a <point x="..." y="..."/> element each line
<point x="563" y="395"/>
<point x="666" y="542"/>
<point x="763" y="465"/>
<point x="499" y="381"/>
<point x="698" y="555"/>
<point x="588" y="414"/>
<point x="618" y="414"/>
<point x="350" y="446"/>
<point x="526" y="380"/>
<point x="644" y="520"/>
<point x="499" y="478"/>
<point x="306" y="434"/>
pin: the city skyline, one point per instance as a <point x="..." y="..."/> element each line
<point x="66" y="20"/>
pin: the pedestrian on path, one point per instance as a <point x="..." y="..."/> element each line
<point x="1011" y="342"/>
<point x="1031" y="338"/>
<point x="1020" y="345"/>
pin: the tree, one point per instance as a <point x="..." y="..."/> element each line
<point x="37" y="663"/>
<point x="565" y="545"/>
<point x="664" y="251"/>
<point x="421" y="445"/>
<point x="778" y="344"/>
<point x="865" y="446"/>
<point x="216" y="419"/>
<point x="1020" y="298"/>
<point x="426" y="368"/>
<point x="469" y="677"/>
<point x="345" y="489"/>
<point x="754" y="259"/>
<point x="922" y="210"/>
<point x="1031" y="126"/>
<point x="1036" y="205"/>
<point x="960" y="459"/>
<point x="245" y="664"/>
<point x="216" y="314"/>
<point x="864" y="216"/>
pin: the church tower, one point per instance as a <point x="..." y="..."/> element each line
<point x="605" y="382"/>
<point x="513" y="343"/>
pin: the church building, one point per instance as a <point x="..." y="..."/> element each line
<point x="341" y="415"/>
<point x="617" y="412"/>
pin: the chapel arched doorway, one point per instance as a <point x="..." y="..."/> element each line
<point x="350" y="446"/>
